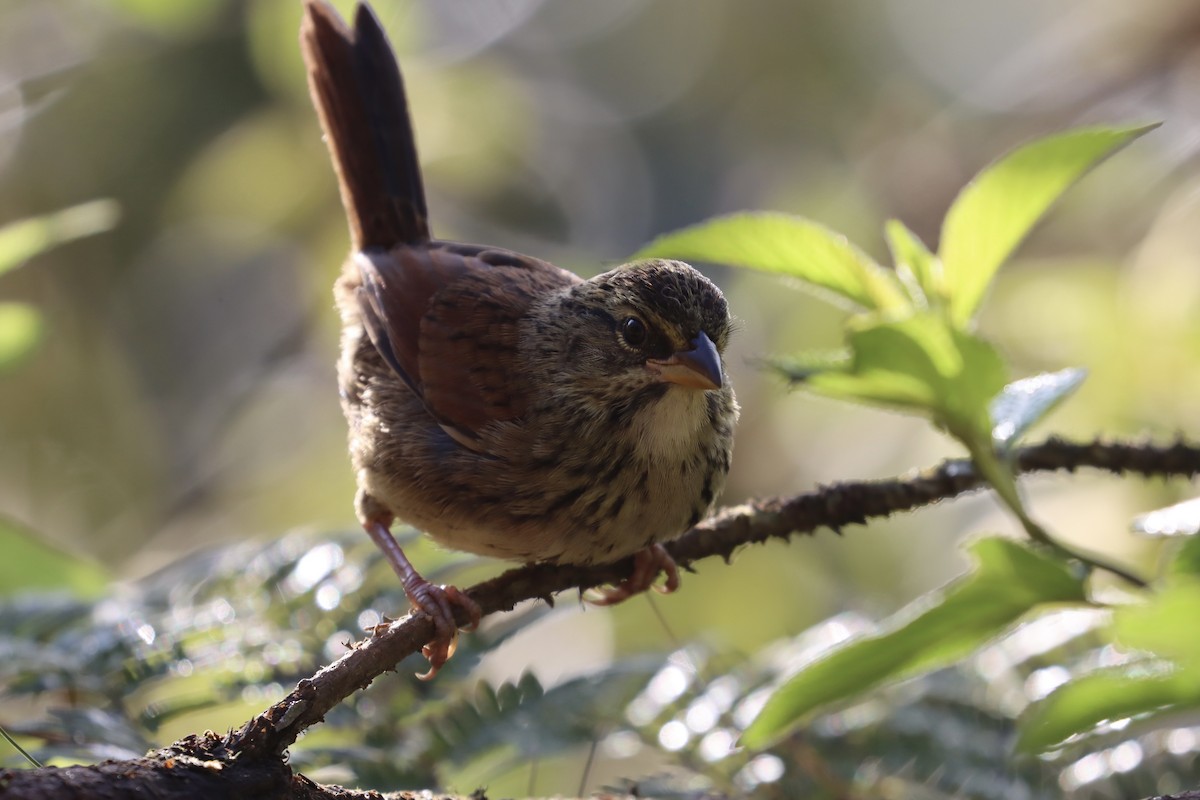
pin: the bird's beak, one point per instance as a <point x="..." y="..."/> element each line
<point x="698" y="367"/>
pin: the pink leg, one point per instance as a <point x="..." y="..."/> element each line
<point x="646" y="566"/>
<point x="436" y="601"/>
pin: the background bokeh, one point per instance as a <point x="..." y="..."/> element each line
<point x="183" y="393"/>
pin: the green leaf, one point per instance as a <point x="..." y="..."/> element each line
<point x="20" y="329"/>
<point x="1009" y="580"/>
<point x="1187" y="561"/>
<point x="1181" y="519"/>
<point x="920" y="270"/>
<point x="995" y="212"/>
<point x="921" y="364"/>
<point x="798" y="368"/>
<point x="1022" y="403"/>
<point x="1165" y="625"/>
<point x="22" y="240"/>
<point x="30" y="563"/>
<point x="1078" y="706"/>
<point x="786" y="245"/>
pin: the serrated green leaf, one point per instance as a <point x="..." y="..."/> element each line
<point x="1165" y="625"/>
<point x="1078" y="706"/>
<point x="786" y="245"/>
<point x="24" y="239"/>
<point x="923" y="364"/>
<point x="1009" y="580"/>
<point x="1022" y="403"/>
<point x="995" y="212"/>
<point x="20" y="329"/>
<point x="30" y="564"/>
<point x="919" y="269"/>
<point x="1181" y="519"/>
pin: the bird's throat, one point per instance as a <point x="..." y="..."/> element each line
<point x="667" y="428"/>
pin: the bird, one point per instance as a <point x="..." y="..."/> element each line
<point x="502" y="405"/>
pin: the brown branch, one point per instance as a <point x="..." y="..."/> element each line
<point x="194" y="767"/>
<point x="832" y="506"/>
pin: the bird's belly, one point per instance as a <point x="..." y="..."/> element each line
<point x="593" y="507"/>
<point x="605" y="523"/>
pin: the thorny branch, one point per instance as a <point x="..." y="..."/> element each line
<point x="834" y="506"/>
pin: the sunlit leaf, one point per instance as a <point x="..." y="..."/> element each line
<point x="1181" y="519"/>
<point x="786" y="245"/>
<point x="30" y="563"/>
<point x="1009" y="580"/>
<point x="1107" y="695"/>
<point x="1165" y="624"/>
<point x="995" y="212"/>
<point x="919" y="269"/>
<point x="1022" y="403"/>
<point x="20" y="329"/>
<point x="920" y="364"/>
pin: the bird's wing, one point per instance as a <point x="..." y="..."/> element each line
<point x="444" y="316"/>
<point x="447" y="318"/>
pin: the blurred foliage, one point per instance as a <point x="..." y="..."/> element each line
<point x="184" y="352"/>
<point x="211" y="639"/>
<point x="911" y="346"/>
<point x="20" y="323"/>
<point x="1008" y="583"/>
<point x="182" y="393"/>
<point x="921" y="355"/>
<point x="30" y="563"/>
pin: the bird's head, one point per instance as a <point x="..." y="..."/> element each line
<point x="645" y="327"/>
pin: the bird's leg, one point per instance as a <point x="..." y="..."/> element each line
<point x="436" y="601"/>
<point x="646" y="566"/>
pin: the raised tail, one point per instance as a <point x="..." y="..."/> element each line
<point x="359" y="95"/>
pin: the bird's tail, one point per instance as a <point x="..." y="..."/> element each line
<point x="359" y="95"/>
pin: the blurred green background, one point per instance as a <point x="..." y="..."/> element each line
<point x="182" y="394"/>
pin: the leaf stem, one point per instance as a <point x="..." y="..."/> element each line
<point x="1000" y="473"/>
<point x="1093" y="561"/>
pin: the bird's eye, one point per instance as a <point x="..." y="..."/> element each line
<point x="633" y="331"/>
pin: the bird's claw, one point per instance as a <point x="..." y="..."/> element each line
<point x="647" y="564"/>
<point x="438" y="602"/>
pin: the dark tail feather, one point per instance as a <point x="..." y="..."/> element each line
<point x="359" y="94"/>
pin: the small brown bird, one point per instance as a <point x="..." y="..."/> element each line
<point x="502" y="405"/>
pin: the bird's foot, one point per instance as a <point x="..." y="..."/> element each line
<point x="438" y="602"/>
<point x="647" y="564"/>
